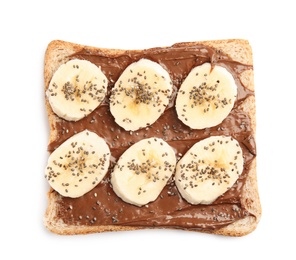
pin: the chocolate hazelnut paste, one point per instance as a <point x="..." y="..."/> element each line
<point x="101" y="206"/>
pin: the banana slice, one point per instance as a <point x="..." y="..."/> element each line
<point x="140" y="95"/>
<point x="206" y="96"/>
<point x="78" y="164"/>
<point x="143" y="170"/>
<point x="209" y="169"/>
<point x="76" y="89"/>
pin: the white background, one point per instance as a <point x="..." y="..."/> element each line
<point x="26" y="29"/>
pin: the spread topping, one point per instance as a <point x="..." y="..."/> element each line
<point x="101" y="206"/>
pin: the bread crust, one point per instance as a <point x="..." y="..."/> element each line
<point x="238" y="50"/>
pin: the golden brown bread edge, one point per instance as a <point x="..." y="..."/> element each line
<point x="238" y="50"/>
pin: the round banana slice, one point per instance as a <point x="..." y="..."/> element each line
<point x="143" y="170"/>
<point x="206" y="96"/>
<point x="76" y="89"/>
<point x="78" y="164"/>
<point x="140" y="95"/>
<point x="209" y="169"/>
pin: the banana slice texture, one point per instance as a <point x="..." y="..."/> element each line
<point x="209" y="169"/>
<point x="78" y="164"/>
<point x="76" y="89"/>
<point x="206" y="96"/>
<point x="143" y="170"/>
<point x="140" y="95"/>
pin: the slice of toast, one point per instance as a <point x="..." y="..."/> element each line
<point x="235" y="214"/>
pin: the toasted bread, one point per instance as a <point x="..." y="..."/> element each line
<point x="236" y="51"/>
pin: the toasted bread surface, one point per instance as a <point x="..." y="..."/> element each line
<point x="59" y="52"/>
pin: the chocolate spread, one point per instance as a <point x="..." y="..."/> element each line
<point x="101" y="206"/>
